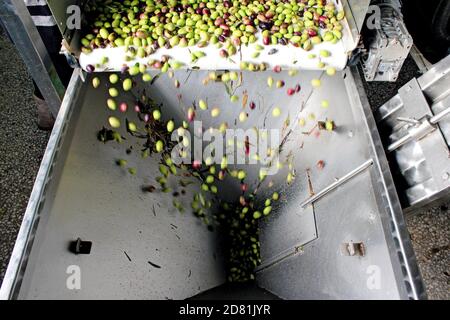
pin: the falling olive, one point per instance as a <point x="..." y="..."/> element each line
<point x="113" y="92"/>
<point x="159" y="146"/>
<point x="113" y="78"/>
<point x="215" y="112"/>
<point x="276" y="112"/>
<point x="96" y="82"/>
<point x="111" y="104"/>
<point x="203" y="105"/>
<point x="127" y="84"/>
<point x="156" y="114"/>
<point x="114" y="122"/>
<point x="257" y="215"/>
<point x="170" y="126"/>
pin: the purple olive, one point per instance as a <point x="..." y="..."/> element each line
<point x="90" y="68"/>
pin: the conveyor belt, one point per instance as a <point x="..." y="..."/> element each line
<point x="286" y="56"/>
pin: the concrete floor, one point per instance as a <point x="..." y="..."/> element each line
<point x="22" y="146"/>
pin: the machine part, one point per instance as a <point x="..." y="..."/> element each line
<point x="422" y="63"/>
<point x="419" y="130"/>
<point x="388" y="45"/>
<point x="355" y="11"/>
<point x="64" y="10"/>
<point x="80" y="247"/>
<point x="20" y="27"/>
<point x="86" y="196"/>
<point x="288" y="56"/>
<point x="71" y="59"/>
<point x="419" y="147"/>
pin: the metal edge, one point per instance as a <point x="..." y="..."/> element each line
<point x="394" y="226"/>
<point x="25" y="236"/>
<point x="436" y="199"/>
<point x="434" y="74"/>
<point x="351" y="25"/>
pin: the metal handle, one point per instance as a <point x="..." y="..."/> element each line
<point x="419" y="131"/>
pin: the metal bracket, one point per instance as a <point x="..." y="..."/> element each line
<point x="80" y="247"/>
<point x="352" y="249"/>
<point x="388" y="46"/>
<point x="411" y="94"/>
<point x="420" y="129"/>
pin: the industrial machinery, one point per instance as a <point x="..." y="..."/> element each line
<point x="338" y="231"/>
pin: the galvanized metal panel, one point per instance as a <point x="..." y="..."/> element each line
<point x="292" y="227"/>
<point x="319" y="270"/>
<point x="422" y="164"/>
<point x="89" y="197"/>
<point x="357" y="211"/>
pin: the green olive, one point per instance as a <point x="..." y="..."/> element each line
<point x="111" y="104"/>
<point x="113" y="78"/>
<point x="170" y="126"/>
<point x="113" y="92"/>
<point x="114" y="122"/>
<point x="96" y="82"/>
<point x="156" y="115"/>
<point x="127" y="84"/>
<point x="159" y="146"/>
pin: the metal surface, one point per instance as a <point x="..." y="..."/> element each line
<point x="364" y="209"/>
<point x="387" y="46"/>
<point x="89" y="197"/>
<point x="19" y="25"/>
<point x="420" y="150"/>
<point x="420" y="129"/>
<point x="357" y="10"/>
<point x="61" y="13"/>
<point x="82" y="193"/>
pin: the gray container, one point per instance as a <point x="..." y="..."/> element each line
<point x="348" y="241"/>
